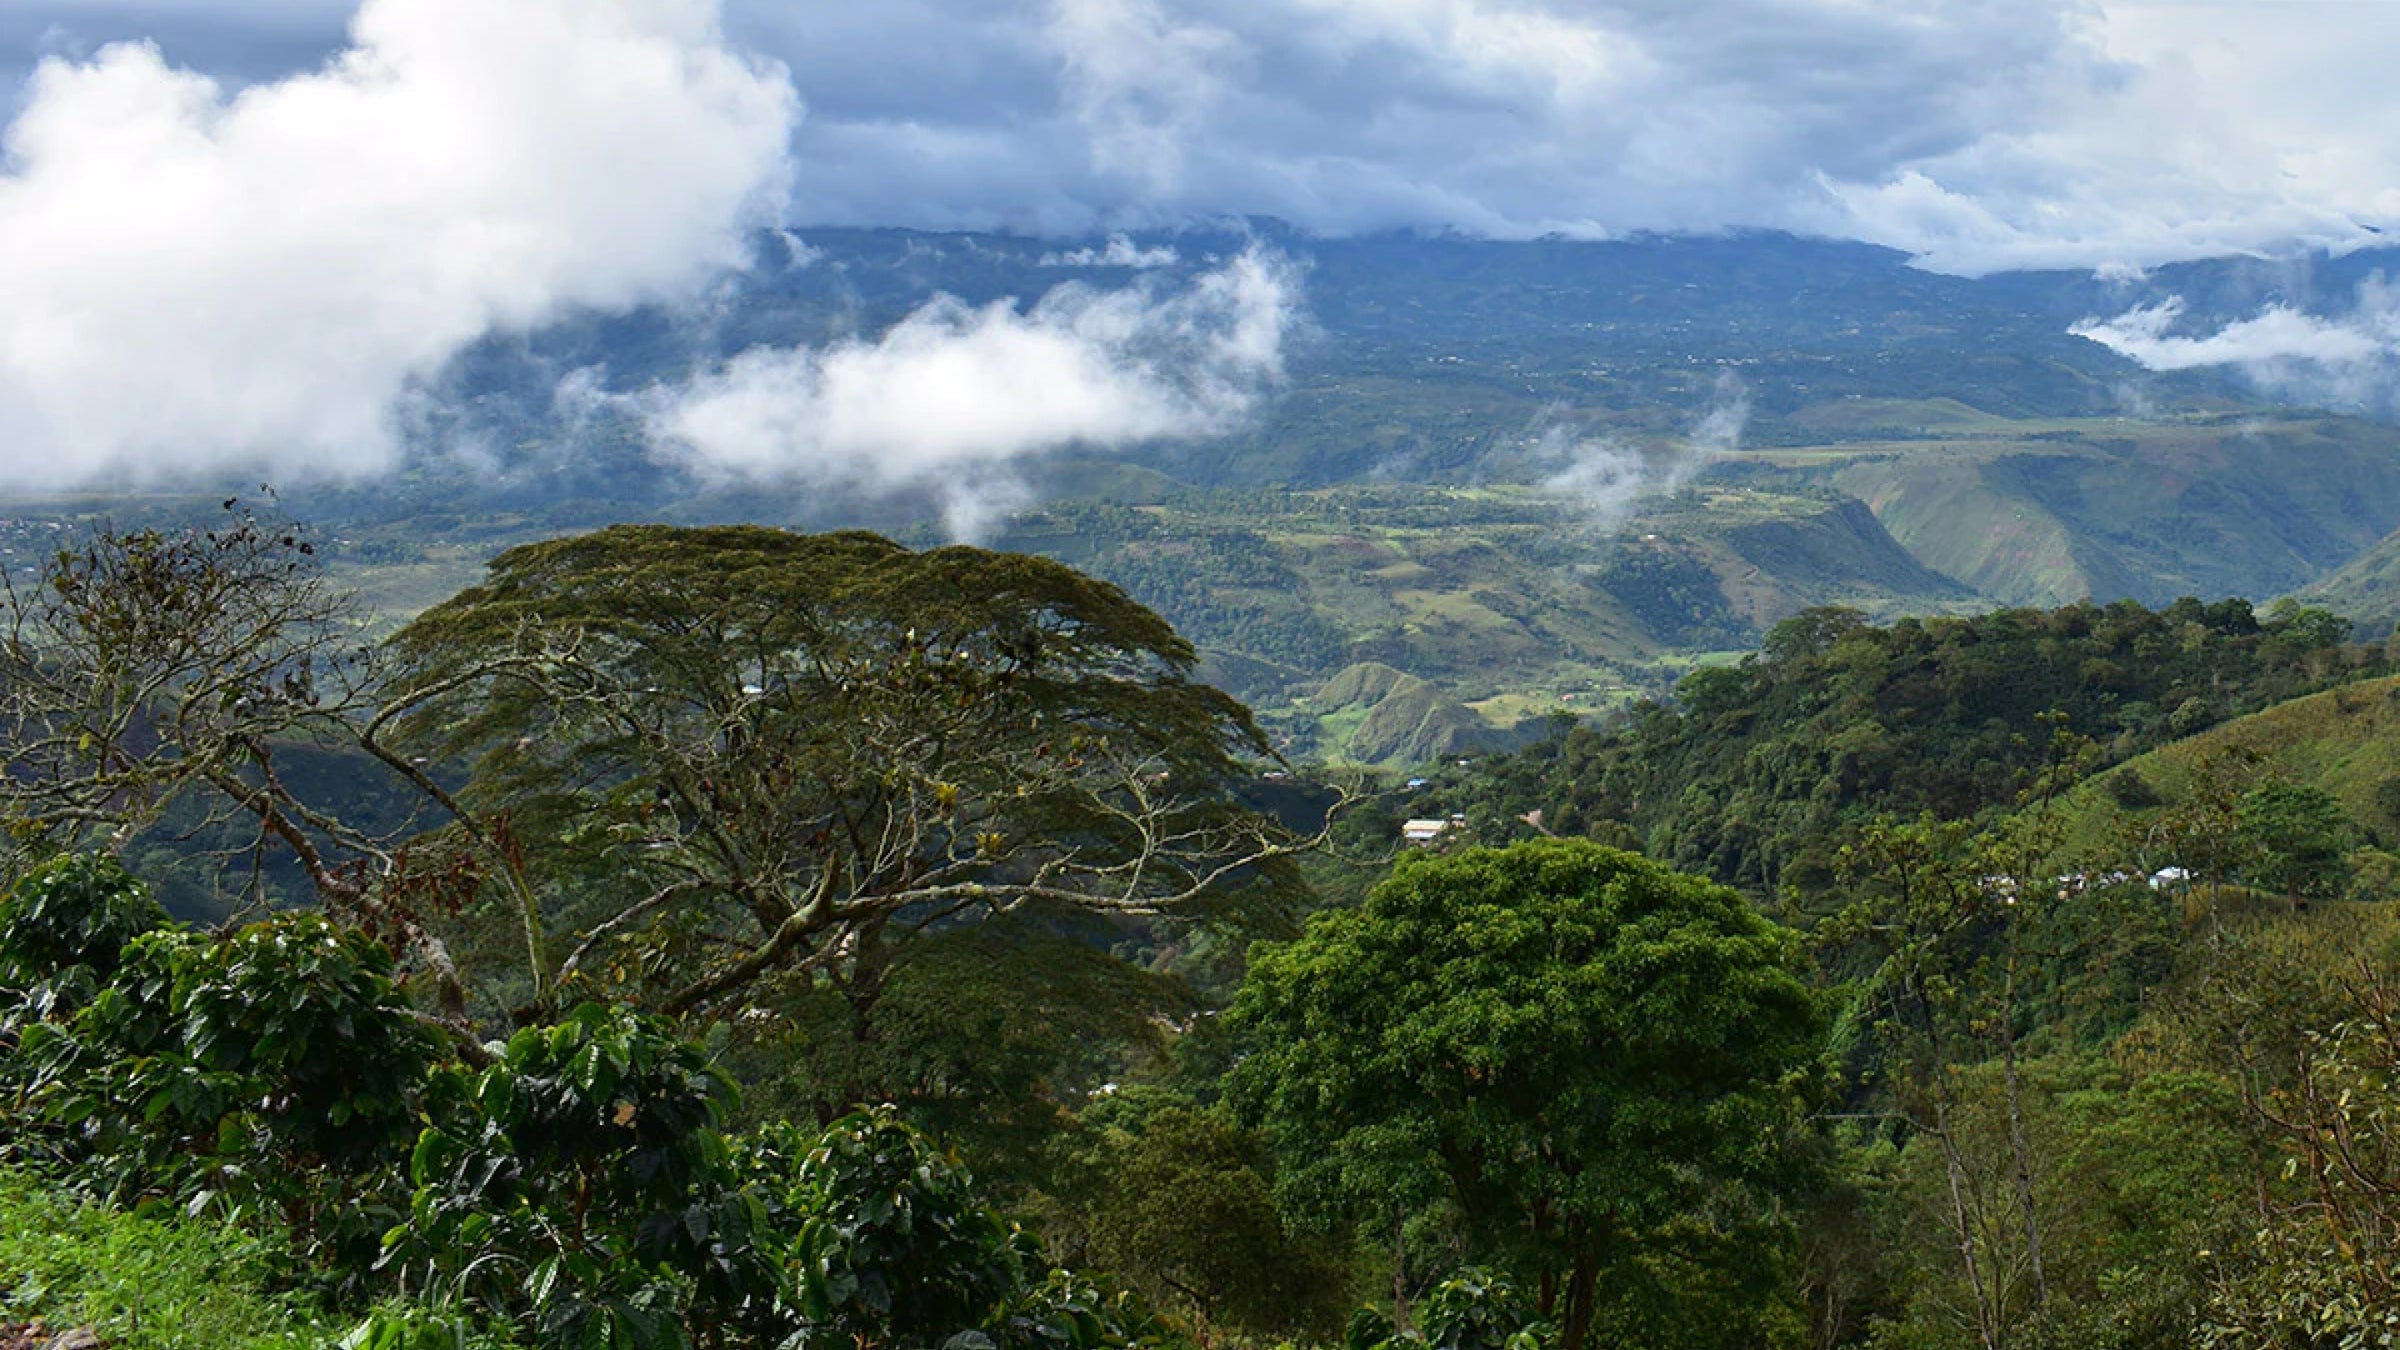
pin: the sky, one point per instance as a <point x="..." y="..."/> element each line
<point x="1977" y="134"/>
<point x="250" y="232"/>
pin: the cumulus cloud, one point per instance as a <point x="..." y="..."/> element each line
<point x="2348" y="361"/>
<point x="955" y="397"/>
<point x="2277" y="333"/>
<point x="201" y="279"/>
<point x="1141" y="84"/>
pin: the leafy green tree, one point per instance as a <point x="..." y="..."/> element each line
<point x="2323" y="1266"/>
<point x="2297" y="840"/>
<point x="1575" y="1047"/>
<point x="1472" y="1309"/>
<point x="177" y="681"/>
<point x="141" y="666"/>
<point x="749" y="751"/>
<point x="895" y="1247"/>
<point x="982" y="1035"/>
<point x="1186" y="1214"/>
<point x="63" y="931"/>
<point x="1751" y="771"/>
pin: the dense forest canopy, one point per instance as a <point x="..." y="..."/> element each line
<point x="721" y="937"/>
<point x="1753" y="770"/>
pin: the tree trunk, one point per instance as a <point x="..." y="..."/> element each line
<point x="1545" y="1286"/>
<point x="1988" y="1331"/>
<point x="1583" y="1280"/>
<point x="2020" y="1155"/>
<point x="862" y="989"/>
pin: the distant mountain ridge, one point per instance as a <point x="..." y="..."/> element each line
<point x="1880" y="436"/>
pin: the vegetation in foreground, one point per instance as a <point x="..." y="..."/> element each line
<point x="150" y="1282"/>
<point x="726" y="938"/>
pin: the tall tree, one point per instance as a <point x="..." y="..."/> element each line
<point x="1575" y="1048"/>
<point x="751" y="751"/>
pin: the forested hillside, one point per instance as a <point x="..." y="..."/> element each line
<point x="1755" y="773"/>
<point x="723" y="937"/>
<point x="1541" y="476"/>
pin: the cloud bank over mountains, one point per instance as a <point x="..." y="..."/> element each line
<point x="267" y="279"/>
<point x="1979" y="134"/>
<point x="249" y="234"/>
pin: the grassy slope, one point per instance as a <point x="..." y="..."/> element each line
<point x="144" y="1283"/>
<point x="2045" y="514"/>
<point x="1512" y="599"/>
<point x="2367" y="588"/>
<point x="2346" y="741"/>
<point x="1510" y="589"/>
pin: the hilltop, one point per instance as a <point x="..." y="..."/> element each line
<point x="2344" y="741"/>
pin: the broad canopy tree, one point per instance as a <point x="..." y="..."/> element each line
<point x="754" y="753"/>
<point x="1570" y="1049"/>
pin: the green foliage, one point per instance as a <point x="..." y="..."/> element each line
<point x="2138" y="1178"/>
<point x="581" y="1190"/>
<point x="896" y="1249"/>
<point x="2296" y="838"/>
<point x="63" y="926"/>
<point x="143" y="1282"/>
<point x="74" y="913"/>
<point x="1185" y="1212"/>
<point x="273" y="1072"/>
<point x="2322" y="1268"/>
<point x="1472" y="1309"/>
<point x="1572" y="1045"/>
<point x="580" y="1187"/>
<point x="742" y="751"/>
<point x="895" y="1239"/>
<point x="403" y="1324"/>
<point x="1755" y="771"/>
<point x="981" y="1035"/>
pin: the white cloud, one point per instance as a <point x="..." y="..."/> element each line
<point x="1120" y="252"/>
<point x="1612" y="479"/>
<point x="1981" y="134"/>
<point x="2350" y="361"/>
<point x="954" y="397"/>
<point x="1141" y="84"/>
<point x="2278" y="333"/>
<point x="197" y="280"/>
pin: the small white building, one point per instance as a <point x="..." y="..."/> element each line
<point x="1431" y="830"/>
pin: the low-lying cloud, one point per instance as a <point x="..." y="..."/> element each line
<point x="2350" y="361"/>
<point x="1612" y="479"/>
<point x="1120" y="251"/>
<point x="200" y="281"/>
<point x="2278" y="333"/>
<point x="954" y="398"/>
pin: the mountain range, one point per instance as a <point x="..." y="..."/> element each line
<point x="1528" y="477"/>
